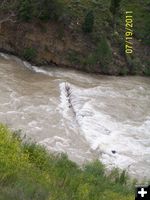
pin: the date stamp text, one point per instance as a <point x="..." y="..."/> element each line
<point x="129" y="32"/>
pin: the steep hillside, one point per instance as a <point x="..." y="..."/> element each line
<point x="87" y="34"/>
<point x="28" y="172"/>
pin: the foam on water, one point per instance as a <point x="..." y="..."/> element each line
<point x="27" y="65"/>
<point x="5" y="56"/>
<point x="105" y="133"/>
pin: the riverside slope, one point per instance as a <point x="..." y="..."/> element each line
<point x="51" y="47"/>
<point x="55" y="44"/>
<point x="63" y="42"/>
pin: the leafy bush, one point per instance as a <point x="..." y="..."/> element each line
<point x="123" y="71"/>
<point x="48" y="9"/>
<point x="103" y="53"/>
<point x="29" y="54"/>
<point x="25" y="10"/>
<point x="144" y="35"/>
<point x="115" y="4"/>
<point x="101" y="56"/>
<point x="41" y="9"/>
<point x="147" y="69"/>
<point x="114" y="8"/>
<point x="28" y="172"/>
<point x="90" y="60"/>
<point x="88" y="22"/>
<point x="134" y="64"/>
<point x="74" y="57"/>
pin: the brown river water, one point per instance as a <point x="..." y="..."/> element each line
<point x="87" y="116"/>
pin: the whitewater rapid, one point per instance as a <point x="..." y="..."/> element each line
<point x="86" y="116"/>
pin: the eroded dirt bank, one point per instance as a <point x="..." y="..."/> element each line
<point x="52" y="43"/>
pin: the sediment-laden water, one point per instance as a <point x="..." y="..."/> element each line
<point x="87" y="116"/>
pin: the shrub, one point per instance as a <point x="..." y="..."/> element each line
<point x="134" y="64"/>
<point x="29" y="54"/>
<point x="88" y="22"/>
<point x="147" y="69"/>
<point x="28" y="172"/>
<point x="103" y="53"/>
<point x="47" y="9"/>
<point x="146" y="30"/>
<point x="74" y="57"/>
<point x="123" y="71"/>
<point x="114" y="8"/>
<point x="41" y="9"/>
<point x="19" y="179"/>
<point x="25" y="10"/>
<point x="102" y="56"/>
<point x="90" y="59"/>
<point x="115" y="4"/>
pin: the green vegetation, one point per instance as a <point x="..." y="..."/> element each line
<point x="134" y="65"/>
<point x="99" y="18"/>
<point x="89" y="22"/>
<point x="103" y="53"/>
<point x="74" y="57"/>
<point x="115" y="5"/>
<point x="47" y="9"/>
<point x="147" y="68"/>
<point x="123" y="71"/>
<point x="80" y="11"/>
<point x="29" y="54"/>
<point x="27" y="10"/>
<point x="28" y="172"/>
<point x="114" y="9"/>
<point x="101" y="56"/>
<point x="141" y="18"/>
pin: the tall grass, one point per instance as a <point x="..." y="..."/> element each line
<point x="28" y="172"/>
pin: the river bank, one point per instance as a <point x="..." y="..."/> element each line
<point x="27" y="171"/>
<point x="63" y="42"/>
<point x="41" y="44"/>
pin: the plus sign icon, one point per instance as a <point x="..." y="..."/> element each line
<point x="142" y="193"/>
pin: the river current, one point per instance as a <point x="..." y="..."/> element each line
<point x="87" y="116"/>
